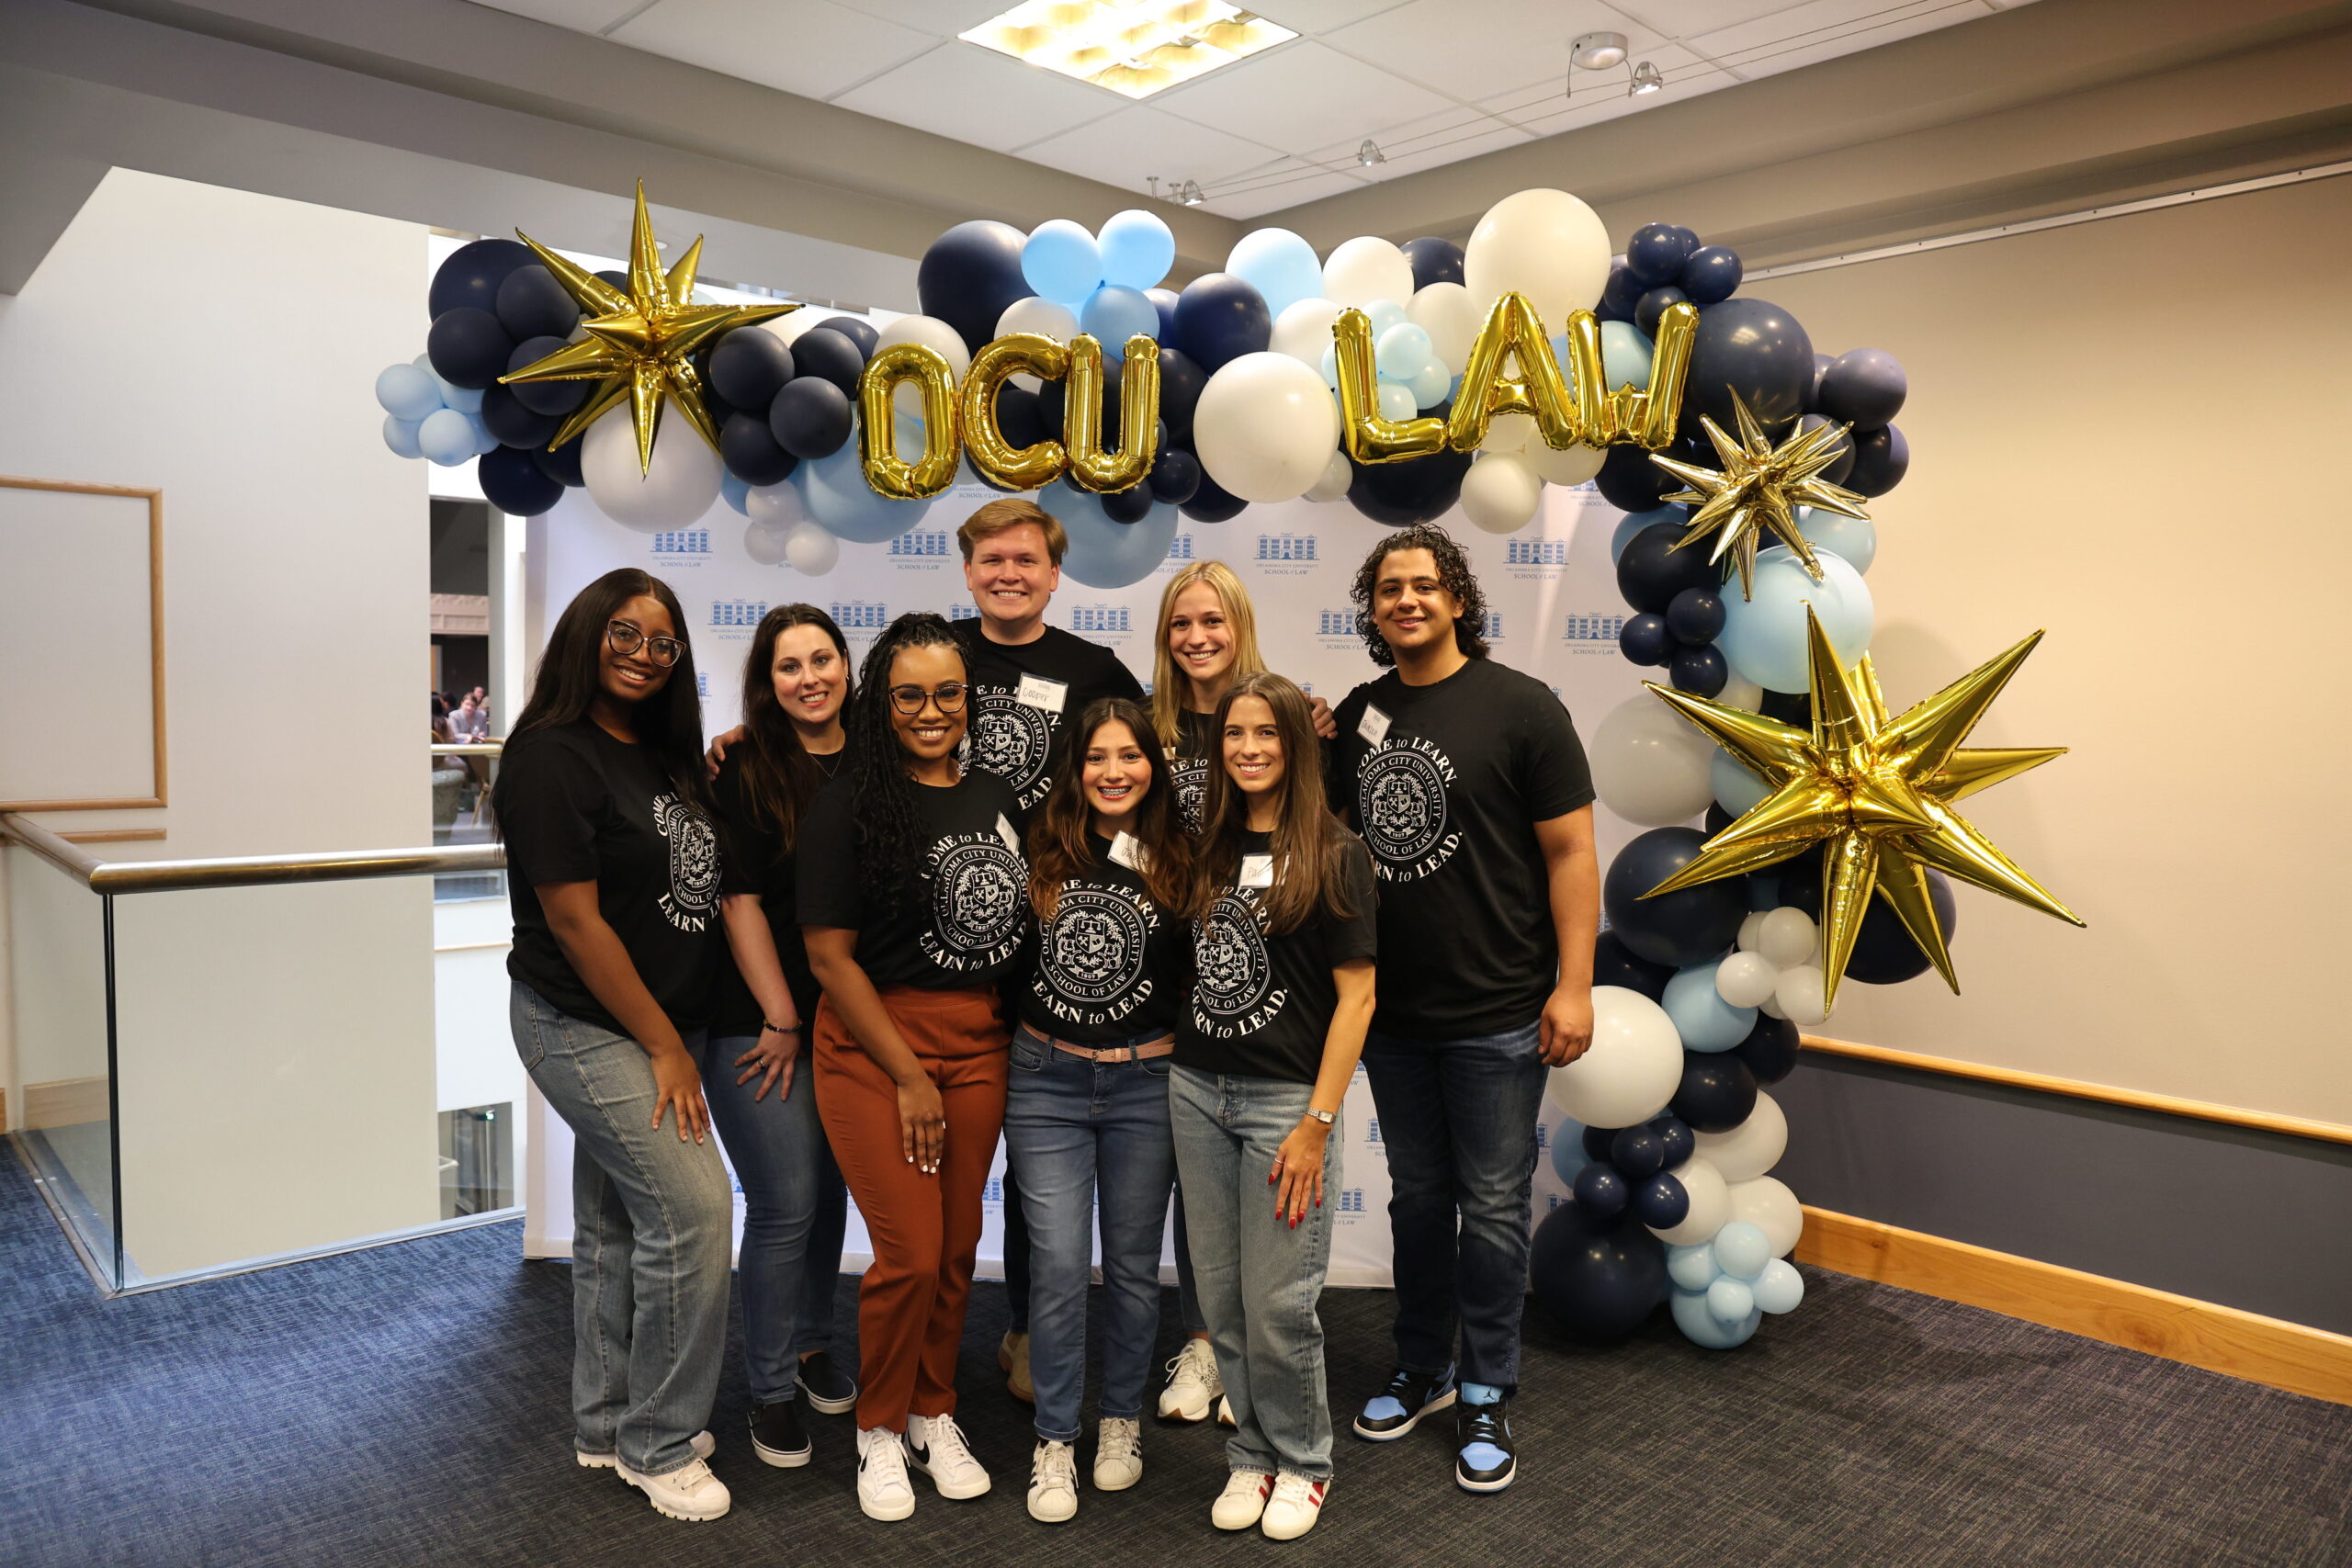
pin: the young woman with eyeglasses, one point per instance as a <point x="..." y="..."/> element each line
<point x="913" y="897"/>
<point x="613" y="872"/>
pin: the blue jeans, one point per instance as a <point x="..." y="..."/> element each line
<point x="795" y="1208"/>
<point x="1091" y="1137"/>
<point x="1458" y="1117"/>
<point x="1258" y="1278"/>
<point x="651" y="1219"/>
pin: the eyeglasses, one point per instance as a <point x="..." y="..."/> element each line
<point x="949" y="696"/>
<point x="626" y="639"/>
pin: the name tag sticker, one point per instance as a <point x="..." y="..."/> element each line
<point x="1257" y="870"/>
<point x="1036" y="692"/>
<point x="1128" y="851"/>
<point x="1374" y="725"/>
<point x="1005" y="830"/>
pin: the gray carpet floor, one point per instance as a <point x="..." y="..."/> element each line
<point x="406" y="1406"/>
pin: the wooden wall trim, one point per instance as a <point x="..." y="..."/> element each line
<point x="67" y="1102"/>
<point x="2179" y="1328"/>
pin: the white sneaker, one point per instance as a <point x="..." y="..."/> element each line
<point x="883" y="1489"/>
<point x="1053" y="1484"/>
<point x="704" y="1444"/>
<point x="1297" y="1502"/>
<point x="1225" y="1412"/>
<point x="935" y="1446"/>
<point x="1118" y="1453"/>
<point x="1194" y="1385"/>
<point x="689" y="1492"/>
<point x="1242" y="1501"/>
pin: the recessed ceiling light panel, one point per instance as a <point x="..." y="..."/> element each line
<point x="1135" y="48"/>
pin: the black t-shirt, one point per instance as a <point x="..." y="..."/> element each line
<point x="1196" y="752"/>
<point x="1109" y="965"/>
<point x="753" y="860"/>
<point x="575" y="805"/>
<point x="1262" y="1005"/>
<point x="1447" y="800"/>
<point x="959" y="923"/>
<point x="1020" y="741"/>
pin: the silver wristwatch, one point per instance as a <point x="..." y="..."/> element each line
<point x="1325" y="1116"/>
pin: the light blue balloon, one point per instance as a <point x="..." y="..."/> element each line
<point x="837" y="496"/>
<point x="736" y="494"/>
<point x="1743" y="1251"/>
<point x="1624" y="356"/>
<point x="1633" y="523"/>
<point x="407" y="393"/>
<point x="1136" y="248"/>
<point x="1404" y="351"/>
<point x="1429" y="386"/>
<point x="1693" y="1267"/>
<point x="1701" y="1016"/>
<point x="1331" y="367"/>
<point x="465" y="400"/>
<point x="1764" y="636"/>
<point x="1396" y="401"/>
<point x="1737" y="789"/>
<point x="484" y="442"/>
<point x="1113" y="313"/>
<point x="1277" y="264"/>
<point x="1703" y="1329"/>
<point x="1730" y="1299"/>
<point x="1856" y="538"/>
<point x="1061" y="261"/>
<point x="1384" y="314"/>
<point x="400" y="434"/>
<point x="1567" y="1150"/>
<point x="446" y="437"/>
<point x="1780" y="1287"/>
<point x="1104" y="554"/>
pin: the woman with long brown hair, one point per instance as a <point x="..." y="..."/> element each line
<point x="1282" y="995"/>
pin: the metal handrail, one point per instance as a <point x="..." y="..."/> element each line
<point x="245" y="871"/>
<point x="468" y="748"/>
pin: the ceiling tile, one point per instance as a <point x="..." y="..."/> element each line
<point x="1688" y="18"/>
<point x="813" y="48"/>
<point x="1123" y="148"/>
<point x="1821" y="29"/>
<point x="943" y="19"/>
<point x="1424" y="143"/>
<point x="1314" y="17"/>
<point x="580" y="15"/>
<point x="1278" y="193"/>
<point x="1297" y="96"/>
<point x="1474" y="51"/>
<point x="978" y="95"/>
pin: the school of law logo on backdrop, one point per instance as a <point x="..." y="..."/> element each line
<point x="1179" y="556"/>
<point x="1103" y="623"/>
<point x="1336" y="629"/>
<point x="681" y="549"/>
<point x="1587" y="633"/>
<point x="732" y="620"/>
<point x="1285" y="555"/>
<point x="860" y="617"/>
<point x="1536" y="558"/>
<point x="1493" y="631"/>
<point x="920" y="547"/>
<point x="963" y="612"/>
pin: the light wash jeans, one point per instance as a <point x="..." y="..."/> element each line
<point x="795" y="1208"/>
<point x="1089" y="1135"/>
<point x="650" y="1218"/>
<point x="1258" y="1278"/>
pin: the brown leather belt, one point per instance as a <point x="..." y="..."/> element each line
<point x="1141" y="1052"/>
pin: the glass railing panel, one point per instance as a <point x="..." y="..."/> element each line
<point x="57" y="1001"/>
<point x="462" y="775"/>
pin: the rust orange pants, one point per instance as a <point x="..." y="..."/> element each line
<point x="925" y="1228"/>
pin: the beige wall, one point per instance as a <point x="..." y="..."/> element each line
<point x="2130" y="433"/>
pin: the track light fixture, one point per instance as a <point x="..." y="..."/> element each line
<point x="1370" y="154"/>
<point x="1646" y="79"/>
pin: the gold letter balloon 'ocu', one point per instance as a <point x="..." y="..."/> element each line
<point x="887" y="472"/>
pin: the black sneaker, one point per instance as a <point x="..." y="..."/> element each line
<point x="828" y="1389"/>
<point x="1397" y="1408"/>
<point x="1485" y="1460"/>
<point x="776" y="1435"/>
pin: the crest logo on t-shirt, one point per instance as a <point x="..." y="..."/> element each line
<point x="979" y="897"/>
<point x="694" y="863"/>
<point x="1092" y="953"/>
<point x="1229" y="956"/>
<point x="1400" y="801"/>
<point x="1190" y="777"/>
<point x="1011" y="740"/>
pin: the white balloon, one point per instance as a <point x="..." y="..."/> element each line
<point x="1367" y="268"/>
<point x="1786" y="937"/>
<point x="1510" y="433"/>
<point x="1771" y="1008"/>
<point x="1632" y="1068"/>
<point x="776" y="507"/>
<point x="790" y="328"/>
<point x="1451" y="317"/>
<point x="1040" y="316"/>
<point x="1769" y="1205"/>
<point x="1739" y="692"/>
<point x="1336" y="477"/>
<point x="1571" y="467"/>
<point x="1799" y="992"/>
<point x="1710" y="1203"/>
<point x="679" y="487"/>
<point x="1744" y="979"/>
<point x="809" y="550"/>
<point x="1747" y="929"/>
<point x="764" y="545"/>
<point x="1545" y="245"/>
<point x="933" y="333"/>
<point x="1304" y="330"/>
<point x="1753" y="1147"/>
<point x="1265" y="427"/>
<point x="1648" y="766"/>
<point x="1500" y="493"/>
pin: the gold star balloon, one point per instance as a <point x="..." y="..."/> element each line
<point x="640" y="342"/>
<point x="1759" y="489"/>
<point x="1876" y="792"/>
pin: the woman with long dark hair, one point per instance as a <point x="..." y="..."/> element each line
<point x="613" y="872"/>
<point x="913" y="898"/>
<point x="1282" y="995"/>
<point x="1086" y="1114"/>
<point x="796" y="684"/>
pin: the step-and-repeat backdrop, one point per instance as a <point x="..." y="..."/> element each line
<point x="1552" y="611"/>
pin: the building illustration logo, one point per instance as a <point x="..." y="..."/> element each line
<point x="921" y="543"/>
<point x="1593" y="628"/>
<point x="682" y="542"/>
<point x="1286" y="547"/>
<point x="1097" y="619"/>
<point x="737" y="612"/>
<point x="862" y="615"/>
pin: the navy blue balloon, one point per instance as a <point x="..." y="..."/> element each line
<point x="558" y="398"/>
<point x="1661" y="1202"/>
<point x="1434" y="260"/>
<point x="970" y="276"/>
<point x="1164" y="301"/>
<point x="1657" y="251"/>
<point x="1711" y="274"/>
<point x="1651" y="574"/>
<point x="1689" y="235"/>
<point x="1600" y="1192"/>
<point x="1020" y="418"/>
<point x="748" y="367"/>
<point x="1821" y="364"/>
<point x="1863" y="388"/>
<point x="1652" y="304"/>
<point x="1132" y="504"/>
<point x="1181" y="380"/>
<point x="1789" y="707"/>
<point x="747" y="445"/>
<point x="830" y="356"/>
<point x="1420" y="489"/>
<point x="470" y="278"/>
<point x="1839" y="465"/>
<point x="615" y="277"/>
<point x="1621" y="292"/>
<point x="1175" y="476"/>
<point x="1702" y="672"/>
<point x="1674" y="1134"/>
<point x="1770" y="1048"/>
<point x="531" y="303"/>
<point x="515" y="484"/>
<point x="862" y="334"/>
<point x="809" y="418"/>
<point x="1884" y="953"/>
<point x="1219" y="318"/>
<point x="1629" y="481"/>
<point x="1596" y="1278"/>
<point x="467" y="347"/>
<point x="1596" y="1142"/>
<point x="1881" y="457"/>
<point x="1212" y="503"/>
<point x="1614" y="964"/>
<point x="1717" y="1092"/>
<point x="1716" y="821"/>
<point x="561" y="463"/>
<point x="1682" y="928"/>
<point x="1756" y="349"/>
<point x="506" y="417"/>
<point x="1638" y="1152"/>
<point x="1696" y="615"/>
<point x="1646" y="640"/>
